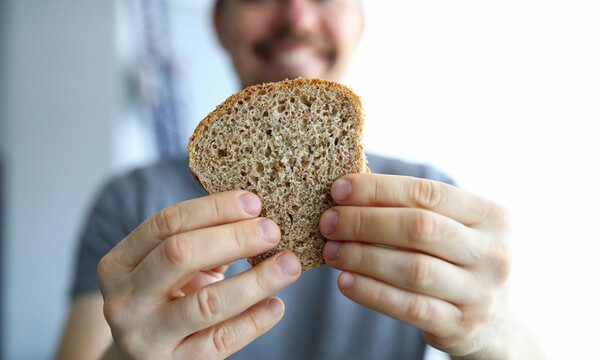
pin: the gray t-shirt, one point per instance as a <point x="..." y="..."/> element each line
<point x="319" y="322"/>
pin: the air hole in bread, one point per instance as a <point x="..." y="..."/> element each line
<point x="306" y="101"/>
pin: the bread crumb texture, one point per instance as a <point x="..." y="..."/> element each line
<point x="287" y="142"/>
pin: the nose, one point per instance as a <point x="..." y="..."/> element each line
<point x="299" y="14"/>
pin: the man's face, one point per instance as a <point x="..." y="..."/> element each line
<point x="270" y="40"/>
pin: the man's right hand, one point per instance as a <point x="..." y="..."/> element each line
<point x="164" y="291"/>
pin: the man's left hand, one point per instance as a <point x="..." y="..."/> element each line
<point x="425" y="253"/>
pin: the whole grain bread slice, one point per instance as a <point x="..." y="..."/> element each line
<point x="287" y="142"/>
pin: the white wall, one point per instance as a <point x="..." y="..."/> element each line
<point x="67" y="125"/>
<point x="61" y="96"/>
<point x="502" y="95"/>
<point x="3" y="139"/>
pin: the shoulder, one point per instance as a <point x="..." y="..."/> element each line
<point x="388" y="165"/>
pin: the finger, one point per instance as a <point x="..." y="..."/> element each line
<point x="424" y="312"/>
<point x="404" y="191"/>
<point x="200" y="279"/>
<point x="189" y="215"/>
<point x="228" y="337"/>
<point x="219" y="301"/>
<point x="168" y="267"/>
<point x="412" y="271"/>
<point x="409" y="228"/>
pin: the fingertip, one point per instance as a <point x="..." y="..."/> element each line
<point x="328" y="222"/>
<point x="345" y="281"/>
<point x="340" y="190"/>
<point x="250" y="203"/>
<point x="276" y="305"/>
<point x="269" y="230"/>
<point x="331" y="250"/>
<point x="289" y="264"/>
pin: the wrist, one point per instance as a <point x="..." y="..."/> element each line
<point x="514" y="340"/>
<point x="113" y="353"/>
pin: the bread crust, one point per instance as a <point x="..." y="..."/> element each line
<point x="209" y="164"/>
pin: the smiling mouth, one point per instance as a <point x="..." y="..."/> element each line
<point x="294" y="57"/>
<point x="293" y="53"/>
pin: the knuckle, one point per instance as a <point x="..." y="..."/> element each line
<point x="238" y="235"/>
<point x="418" y="308"/>
<point x="357" y="257"/>
<point x="104" y="270"/>
<point x="215" y="207"/>
<point x="262" y="283"/>
<point x="114" y="309"/>
<point x="503" y="261"/>
<point x="359" y="224"/>
<point x="111" y="311"/>
<point x="503" y="218"/>
<point x="208" y="303"/>
<point x="422" y="227"/>
<point x="255" y="324"/>
<point x="224" y="338"/>
<point x="376" y="189"/>
<point x="419" y="273"/>
<point x="427" y="193"/>
<point x="475" y="315"/>
<point x="178" y="250"/>
<point x="376" y="297"/>
<point x="167" y="221"/>
<point x="472" y="319"/>
<point x="475" y="252"/>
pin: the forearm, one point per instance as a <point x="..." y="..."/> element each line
<point x="86" y="334"/>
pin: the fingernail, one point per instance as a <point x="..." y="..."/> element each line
<point x="340" y="190"/>
<point x="269" y="230"/>
<point x="250" y="203"/>
<point x="332" y="249"/>
<point x="346" y="280"/>
<point x="329" y="221"/>
<point x="276" y="306"/>
<point x="288" y="264"/>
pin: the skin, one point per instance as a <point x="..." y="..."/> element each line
<point x="271" y="40"/>
<point x="444" y="267"/>
<point x="164" y="294"/>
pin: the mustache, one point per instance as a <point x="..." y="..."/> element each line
<point x="264" y="46"/>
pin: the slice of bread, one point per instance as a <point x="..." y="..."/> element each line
<point x="287" y="142"/>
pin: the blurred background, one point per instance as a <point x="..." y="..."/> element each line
<point x="504" y="96"/>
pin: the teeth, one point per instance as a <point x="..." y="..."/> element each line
<point x="292" y="58"/>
